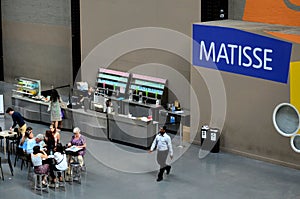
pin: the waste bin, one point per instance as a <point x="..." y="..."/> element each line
<point x="204" y="130"/>
<point x="214" y="139"/>
<point x="210" y="139"/>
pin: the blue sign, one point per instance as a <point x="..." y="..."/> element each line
<point x="241" y="52"/>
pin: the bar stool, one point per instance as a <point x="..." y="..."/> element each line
<point x="61" y="183"/>
<point x="38" y="185"/>
<point x="75" y="172"/>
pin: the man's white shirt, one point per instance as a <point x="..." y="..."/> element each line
<point x="163" y="143"/>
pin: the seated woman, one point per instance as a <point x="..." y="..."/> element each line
<point x="25" y="137"/>
<point x="79" y="142"/>
<point x="23" y="142"/>
<point x="21" y="149"/>
<point x="60" y="162"/>
<point x="52" y="138"/>
<point x="37" y="160"/>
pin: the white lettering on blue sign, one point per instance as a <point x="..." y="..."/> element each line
<point x="240" y="52"/>
<point x="239" y="55"/>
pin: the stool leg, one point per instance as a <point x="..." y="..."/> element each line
<point x="47" y="187"/>
<point x="58" y="182"/>
<point x="35" y="182"/>
<point x="63" y="182"/>
<point x="38" y="183"/>
<point x="77" y="173"/>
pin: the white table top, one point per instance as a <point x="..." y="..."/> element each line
<point x="7" y="133"/>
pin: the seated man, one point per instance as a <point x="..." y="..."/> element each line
<point x="79" y="142"/>
<point x="36" y="141"/>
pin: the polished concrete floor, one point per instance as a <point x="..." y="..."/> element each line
<point x="118" y="171"/>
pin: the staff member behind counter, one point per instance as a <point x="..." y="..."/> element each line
<point x="81" y="97"/>
<point x="85" y="98"/>
<point x="89" y="94"/>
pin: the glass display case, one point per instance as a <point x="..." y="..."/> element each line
<point x="27" y="87"/>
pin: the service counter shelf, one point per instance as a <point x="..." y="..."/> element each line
<point x="131" y="130"/>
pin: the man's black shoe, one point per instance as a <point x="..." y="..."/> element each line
<point x="159" y="179"/>
<point x="168" y="169"/>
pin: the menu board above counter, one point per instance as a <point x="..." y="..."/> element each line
<point x="150" y="89"/>
<point x="112" y="82"/>
<point x="136" y="88"/>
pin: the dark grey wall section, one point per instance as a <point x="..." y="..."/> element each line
<point x="55" y="12"/>
<point x="36" y="41"/>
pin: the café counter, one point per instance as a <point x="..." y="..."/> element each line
<point x="90" y="122"/>
<point x="116" y="127"/>
<point x="36" y="111"/>
<point x="138" y="131"/>
<point x="131" y="130"/>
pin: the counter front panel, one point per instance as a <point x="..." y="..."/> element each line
<point x="131" y="131"/>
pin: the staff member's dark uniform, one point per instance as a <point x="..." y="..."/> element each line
<point x="17" y="120"/>
<point x="164" y="146"/>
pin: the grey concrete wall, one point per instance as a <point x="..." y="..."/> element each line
<point x="37" y="41"/>
<point x="248" y="129"/>
<point x="100" y="20"/>
<point x="236" y="9"/>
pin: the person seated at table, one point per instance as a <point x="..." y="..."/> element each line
<point x="37" y="158"/>
<point x="38" y="140"/>
<point x="21" y="150"/>
<point x="52" y="138"/>
<point x="28" y="135"/>
<point x="78" y="141"/>
<point x="60" y="163"/>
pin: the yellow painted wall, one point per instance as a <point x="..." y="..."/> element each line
<point x="295" y="85"/>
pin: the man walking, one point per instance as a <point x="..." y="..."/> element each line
<point x="163" y="144"/>
<point x="17" y="120"/>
